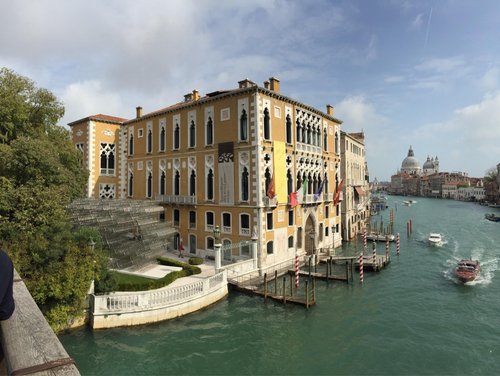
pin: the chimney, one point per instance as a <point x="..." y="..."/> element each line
<point x="274" y="84"/>
<point x="196" y="95"/>
<point x="138" y="112"/>
<point x="329" y="109"/>
<point x="188" y="97"/>
<point x="266" y="84"/>
<point x="245" y="83"/>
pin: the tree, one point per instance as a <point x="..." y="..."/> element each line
<point x="491" y="175"/>
<point x="40" y="174"/>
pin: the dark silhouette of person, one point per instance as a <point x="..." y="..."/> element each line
<point x="6" y="280"/>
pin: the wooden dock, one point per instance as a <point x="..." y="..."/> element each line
<point x="369" y="264"/>
<point x="270" y="288"/>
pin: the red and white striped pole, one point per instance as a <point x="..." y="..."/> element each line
<point x="361" y="269"/>
<point x="297" y="271"/>
<point x="397" y="244"/>
<point x="386" y="248"/>
<point x="374" y="254"/>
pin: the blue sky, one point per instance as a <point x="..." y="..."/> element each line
<point x="421" y="73"/>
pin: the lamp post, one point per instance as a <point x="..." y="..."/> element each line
<point x="92" y="248"/>
<point x="217" y="248"/>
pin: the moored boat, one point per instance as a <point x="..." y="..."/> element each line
<point x="467" y="270"/>
<point x="380" y="237"/>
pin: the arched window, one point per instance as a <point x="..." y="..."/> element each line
<point x="162" y="139"/>
<point x="304" y="132"/>
<point x="288" y="129"/>
<point x="298" y="131"/>
<point x="325" y="140"/>
<point x="289" y="181"/>
<point x="244" y="184"/>
<point x="210" y="131"/>
<point x="336" y="143"/>
<point x="309" y="184"/>
<point x="210" y="185"/>
<point x="270" y="248"/>
<point x="192" y="135"/>
<point x="290" y="241"/>
<point x="130" y="184"/>
<point x="107" y="162"/>
<point x="308" y="135"/>
<point x="299" y="181"/>
<point x="267" y="126"/>
<point x="192" y="184"/>
<point x="162" y="183"/>
<point x="150" y="141"/>
<point x="131" y="145"/>
<point x="267" y="175"/>
<point x="149" y="188"/>
<point x="177" y="183"/>
<point x="243" y="126"/>
<point x="177" y="136"/>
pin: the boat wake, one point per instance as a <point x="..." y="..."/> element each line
<point x="489" y="265"/>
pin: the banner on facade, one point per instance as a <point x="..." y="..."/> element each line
<point x="279" y="173"/>
<point x="226" y="173"/>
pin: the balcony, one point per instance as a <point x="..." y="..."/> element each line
<point x="175" y="199"/>
<point x="307" y="148"/>
<point x="270" y="202"/>
<point x="327" y="196"/>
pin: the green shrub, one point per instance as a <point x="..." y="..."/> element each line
<point x="195" y="261"/>
<point x="131" y="282"/>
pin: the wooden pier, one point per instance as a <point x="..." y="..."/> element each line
<point x="381" y="261"/>
<point x="282" y="292"/>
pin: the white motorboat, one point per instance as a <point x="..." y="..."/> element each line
<point x="435" y="239"/>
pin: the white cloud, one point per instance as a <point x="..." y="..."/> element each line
<point x="417" y="21"/>
<point x="489" y="81"/>
<point x="441" y="65"/>
<point x="87" y="98"/>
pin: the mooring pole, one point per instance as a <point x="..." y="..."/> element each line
<point x="291" y="286"/>
<point x="275" y="282"/>
<point x="307" y="294"/>
<point x="265" y="286"/>
<point x="310" y="257"/>
<point x="284" y="290"/>
<point x="347" y="272"/>
<point x="314" y="290"/>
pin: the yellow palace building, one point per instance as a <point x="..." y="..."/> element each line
<point x="250" y="161"/>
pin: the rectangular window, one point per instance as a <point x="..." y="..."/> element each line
<point x="245" y="250"/>
<point x="210" y="243"/>
<point x="224" y="114"/>
<point x="192" y="219"/>
<point x="177" y="217"/>
<point x="270" y="221"/>
<point x="209" y="221"/>
<point x="290" y="218"/>
<point x="244" y="224"/>
<point x="226" y="223"/>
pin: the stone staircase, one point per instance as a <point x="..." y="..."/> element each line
<point x="130" y="229"/>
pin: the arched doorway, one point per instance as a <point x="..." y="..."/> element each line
<point x="310" y="236"/>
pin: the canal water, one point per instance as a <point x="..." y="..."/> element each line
<point x="411" y="318"/>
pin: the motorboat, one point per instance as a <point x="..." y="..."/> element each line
<point x="435" y="239"/>
<point x="467" y="270"/>
<point x="492" y="217"/>
<point x="380" y="237"/>
<point x="409" y="202"/>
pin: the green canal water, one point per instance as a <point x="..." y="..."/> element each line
<point x="411" y="318"/>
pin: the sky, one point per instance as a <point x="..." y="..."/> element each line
<point x="423" y="73"/>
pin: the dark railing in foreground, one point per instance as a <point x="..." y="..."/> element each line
<point x="29" y="345"/>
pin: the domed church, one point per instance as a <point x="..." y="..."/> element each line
<point x="431" y="166"/>
<point x="410" y="164"/>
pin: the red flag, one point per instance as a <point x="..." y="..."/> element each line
<point x="336" y="199"/>
<point x="271" y="190"/>
<point x="293" y="199"/>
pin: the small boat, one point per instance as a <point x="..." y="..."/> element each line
<point x="380" y="237"/>
<point x="435" y="239"/>
<point x="409" y="202"/>
<point x="467" y="270"/>
<point x="492" y="217"/>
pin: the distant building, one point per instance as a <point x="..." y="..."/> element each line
<point x="355" y="208"/>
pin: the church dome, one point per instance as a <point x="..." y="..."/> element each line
<point x="429" y="164"/>
<point x="410" y="163"/>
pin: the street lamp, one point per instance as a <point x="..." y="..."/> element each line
<point x="217" y="249"/>
<point x="217" y="234"/>
<point x="92" y="248"/>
